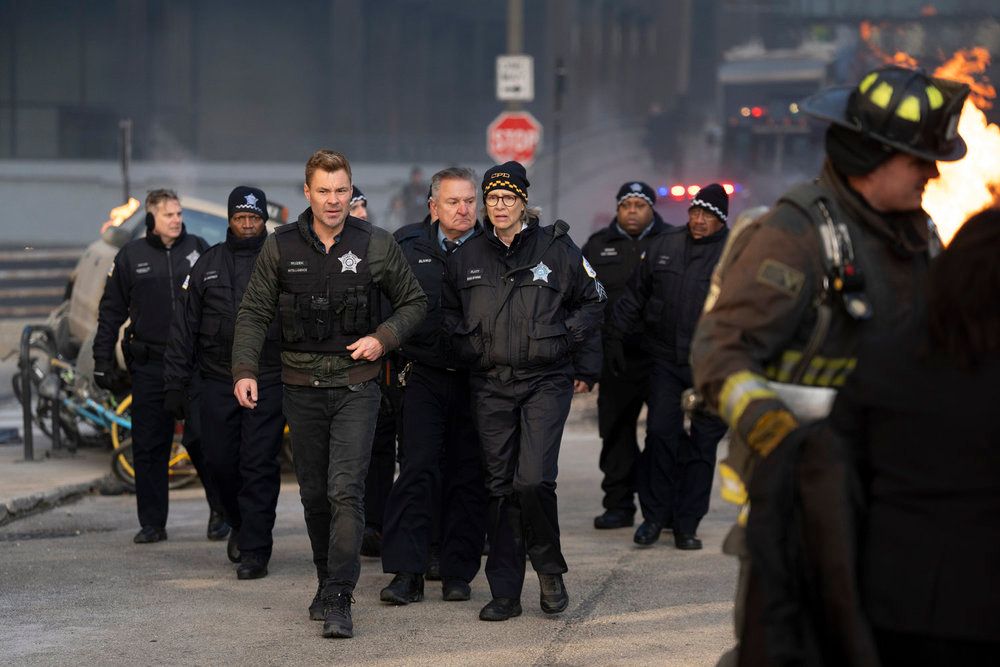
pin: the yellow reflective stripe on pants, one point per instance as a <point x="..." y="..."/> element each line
<point x="732" y="490"/>
<point x="738" y="391"/>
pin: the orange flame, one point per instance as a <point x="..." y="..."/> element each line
<point x="973" y="183"/>
<point x="120" y="214"/>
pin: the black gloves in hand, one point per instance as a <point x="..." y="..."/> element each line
<point x="614" y="356"/>
<point x="175" y="402"/>
<point x="108" y="376"/>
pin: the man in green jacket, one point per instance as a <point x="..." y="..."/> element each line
<point x="324" y="276"/>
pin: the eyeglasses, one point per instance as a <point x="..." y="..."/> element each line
<point x="508" y="200"/>
<point x="247" y="217"/>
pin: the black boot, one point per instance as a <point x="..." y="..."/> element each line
<point x="614" y="519"/>
<point x="647" y="533"/>
<point x="686" y="542"/>
<point x="404" y="588"/>
<point x="316" y="607"/>
<point x="552" y="593"/>
<point x="233" y="546"/>
<point x="338" y="623"/>
<point x="218" y="529"/>
<point x="455" y="590"/>
<point x="253" y="566"/>
<point x="500" y="609"/>
<point x="149" y="534"/>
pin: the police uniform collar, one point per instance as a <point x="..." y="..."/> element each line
<point x="438" y="237"/>
<point x="155" y="241"/>
<point x="526" y="232"/>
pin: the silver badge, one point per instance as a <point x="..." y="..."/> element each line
<point x="193" y="257"/>
<point x="349" y="262"/>
<point x="636" y="187"/>
<point x="251" y="200"/>
<point x="540" y="272"/>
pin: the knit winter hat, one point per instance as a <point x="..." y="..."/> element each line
<point x="507" y="176"/>
<point x="245" y="198"/>
<point x="712" y="198"/>
<point x="636" y="189"/>
<point x="357" y="196"/>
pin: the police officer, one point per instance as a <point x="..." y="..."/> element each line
<point x="518" y="299"/>
<point x="323" y="276"/>
<point x="667" y="292"/>
<point x="144" y="285"/>
<point x="614" y="252"/>
<point x="241" y="446"/>
<point x="383" y="462"/>
<point x="831" y="263"/>
<point x="441" y="448"/>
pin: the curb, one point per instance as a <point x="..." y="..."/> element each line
<point x="18" y="508"/>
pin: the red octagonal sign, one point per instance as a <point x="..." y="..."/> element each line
<point x="514" y="135"/>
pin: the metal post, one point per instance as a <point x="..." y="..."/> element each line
<point x="24" y="363"/>
<point x="125" y="136"/>
<point x="515" y="36"/>
<point x="556" y="132"/>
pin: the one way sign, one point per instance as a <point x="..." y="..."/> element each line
<point x="515" y="78"/>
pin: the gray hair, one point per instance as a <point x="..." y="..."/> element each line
<point x="458" y="173"/>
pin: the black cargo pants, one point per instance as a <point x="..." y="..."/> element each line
<point x="675" y="478"/>
<point x="619" y="402"/>
<point x="520" y="424"/>
<point x="241" y="448"/>
<point x="441" y="450"/>
<point x="152" y="438"/>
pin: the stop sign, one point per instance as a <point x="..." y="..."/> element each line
<point x="513" y="135"/>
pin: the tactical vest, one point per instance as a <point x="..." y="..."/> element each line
<point x="326" y="301"/>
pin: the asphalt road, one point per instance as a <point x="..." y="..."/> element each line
<point x="75" y="590"/>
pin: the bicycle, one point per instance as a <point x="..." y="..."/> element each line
<point x="98" y="410"/>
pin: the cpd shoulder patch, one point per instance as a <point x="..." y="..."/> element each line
<point x="781" y="277"/>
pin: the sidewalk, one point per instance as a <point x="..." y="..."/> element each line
<point x="27" y="487"/>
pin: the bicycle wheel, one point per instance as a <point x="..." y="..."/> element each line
<point x="39" y="367"/>
<point x="120" y="433"/>
<point x="180" y="470"/>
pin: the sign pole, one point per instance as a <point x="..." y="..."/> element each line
<point x="556" y="128"/>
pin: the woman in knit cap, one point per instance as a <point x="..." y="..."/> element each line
<point x="519" y="302"/>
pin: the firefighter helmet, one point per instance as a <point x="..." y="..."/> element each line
<point x="902" y="108"/>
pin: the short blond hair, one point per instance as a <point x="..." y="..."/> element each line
<point x="327" y="160"/>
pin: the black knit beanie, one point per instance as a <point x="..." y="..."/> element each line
<point x="507" y="176"/>
<point x="712" y="198"/>
<point x="248" y="199"/>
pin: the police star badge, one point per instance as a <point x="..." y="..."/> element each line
<point x="193" y="257"/>
<point x="540" y="272"/>
<point x="349" y="262"/>
<point x="251" y="200"/>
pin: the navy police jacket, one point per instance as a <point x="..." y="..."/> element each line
<point x="527" y="309"/>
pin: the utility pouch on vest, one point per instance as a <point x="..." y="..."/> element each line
<point x="320" y="316"/>
<point x="292" y="329"/>
<point x="353" y="311"/>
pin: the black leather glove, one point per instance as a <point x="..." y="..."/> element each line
<point x="614" y="356"/>
<point x="175" y="402"/>
<point x="107" y="376"/>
